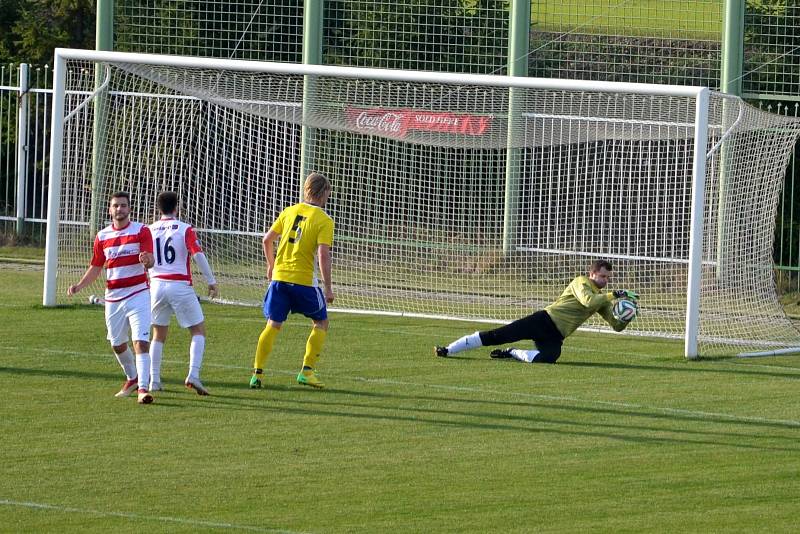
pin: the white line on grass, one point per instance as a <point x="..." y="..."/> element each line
<point x="463" y="389"/>
<point x="738" y="363"/>
<point x="420" y="332"/>
<point x="626" y="405"/>
<point x="139" y="517"/>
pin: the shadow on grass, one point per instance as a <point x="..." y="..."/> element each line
<point x="338" y="402"/>
<point x="695" y="366"/>
<point x="65" y="373"/>
<point x="661" y="427"/>
<point x="532" y="424"/>
<point x="689" y="367"/>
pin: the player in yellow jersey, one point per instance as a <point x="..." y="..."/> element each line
<point x="548" y="328"/>
<point x="305" y="235"/>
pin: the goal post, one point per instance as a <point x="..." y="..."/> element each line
<point x="427" y="223"/>
<point x="54" y="184"/>
<point x="696" y="216"/>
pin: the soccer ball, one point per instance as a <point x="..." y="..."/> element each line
<point x="625" y="310"/>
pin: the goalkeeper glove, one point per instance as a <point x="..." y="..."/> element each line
<point x="625" y="294"/>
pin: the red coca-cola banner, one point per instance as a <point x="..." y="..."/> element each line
<point x="398" y="122"/>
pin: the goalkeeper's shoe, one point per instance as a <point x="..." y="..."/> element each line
<point x="128" y="387"/>
<point x="501" y="353"/>
<point x="195" y="384"/>
<point x="308" y="378"/>
<point x="255" y="380"/>
<point x="442" y="352"/>
<point x="145" y="397"/>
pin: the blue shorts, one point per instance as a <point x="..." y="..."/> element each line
<point x="283" y="297"/>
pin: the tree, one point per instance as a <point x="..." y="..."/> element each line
<point x="43" y="25"/>
<point x="9" y="13"/>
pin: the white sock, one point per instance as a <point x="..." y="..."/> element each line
<point x="156" y="352"/>
<point x="143" y="366"/>
<point x="126" y="362"/>
<point x="196" y="350"/>
<point x="471" y="341"/>
<point x="526" y="356"/>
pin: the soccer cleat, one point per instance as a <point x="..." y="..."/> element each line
<point x="155" y="386"/>
<point x="255" y="382"/>
<point x="145" y="397"/>
<point x="128" y="388"/>
<point x="442" y="352"/>
<point x="195" y="384"/>
<point x="501" y="353"/>
<point x="308" y="378"/>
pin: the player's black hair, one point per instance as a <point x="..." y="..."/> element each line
<point x="600" y="264"/>
<point x="167" y="202"/>
<point x="121" y="194"/>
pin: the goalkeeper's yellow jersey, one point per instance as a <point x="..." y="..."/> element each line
<point x="578" y="302"/>
<point x="303" y="227"/>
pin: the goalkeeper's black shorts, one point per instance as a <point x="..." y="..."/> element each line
<point x="538" y="327"/>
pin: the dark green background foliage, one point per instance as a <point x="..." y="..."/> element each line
<point x="772" y="46"/>
<point x="456" y="35"/>
<point x="441" y="35"/>
<point x="31" y="29"/>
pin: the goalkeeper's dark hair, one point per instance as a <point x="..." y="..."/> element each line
<point x="600" y="264"/>
<point x="121" y="194"/>
<point x="168" y="202"/>
<point x="316" y="186"/>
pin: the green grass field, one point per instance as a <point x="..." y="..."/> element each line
<point x="622" y="435"/>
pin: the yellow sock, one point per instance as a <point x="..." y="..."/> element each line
<point x="313" y="347"/>
<point x="265" y="341"/>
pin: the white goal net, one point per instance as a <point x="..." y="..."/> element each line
<point x="467" y="197"/>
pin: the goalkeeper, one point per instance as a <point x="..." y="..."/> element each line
<point x="548" y="328"/>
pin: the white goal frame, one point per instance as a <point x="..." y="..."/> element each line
<point x="701" y="124"/>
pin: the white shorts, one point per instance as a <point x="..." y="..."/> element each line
<point x="178" y="298"/>
<point x="134" y="312"/>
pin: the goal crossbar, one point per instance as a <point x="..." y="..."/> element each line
<point x="375" y="74"/>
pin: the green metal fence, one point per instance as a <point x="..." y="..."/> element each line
<point x="771" y="67"/>
<point x="650" y="41"/>
<point x="445" y="36"/>
<point x="242" y="29"/>
<point x="669" y="41"/>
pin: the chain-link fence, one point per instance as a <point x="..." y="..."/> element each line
<point x="670" y="41"/>
<point x="771" y="68"/>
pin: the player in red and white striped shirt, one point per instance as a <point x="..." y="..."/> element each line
<point x="172" y="292"/>
<point x="125" y="249"/>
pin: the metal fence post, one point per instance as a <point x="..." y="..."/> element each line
<point x="731" y="83"/>
<point x="104" y="40"/>
<point x="22" y="148"/>
<point x="313" y="25"/>
<point x="518" y="51"/>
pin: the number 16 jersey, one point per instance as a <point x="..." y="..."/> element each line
<point x="174" y="244"/>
